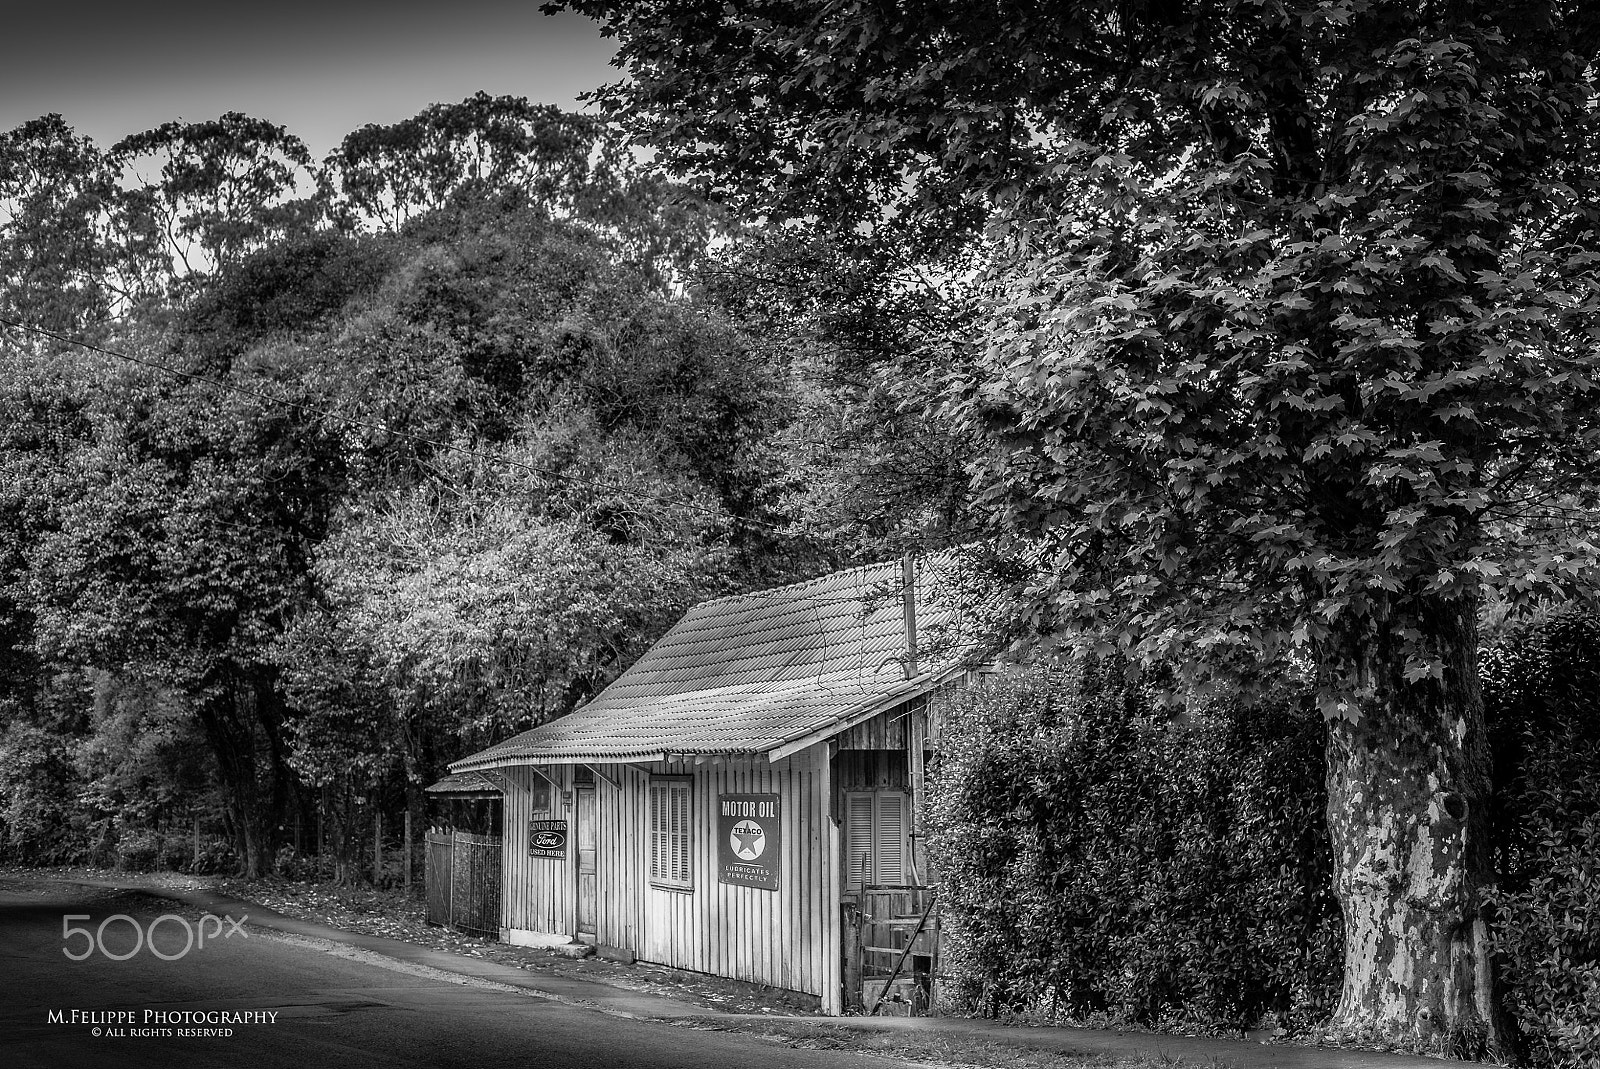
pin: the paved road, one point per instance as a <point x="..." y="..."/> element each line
<point x="334" y="1006"/>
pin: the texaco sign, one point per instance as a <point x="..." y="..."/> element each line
<point x="749" y="837"/>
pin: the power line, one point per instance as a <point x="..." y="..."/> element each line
<point x="356" y="421"/>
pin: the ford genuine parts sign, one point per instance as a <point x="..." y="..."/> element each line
<point x="547" y="838"/>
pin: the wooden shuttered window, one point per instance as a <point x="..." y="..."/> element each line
<point x="875" y="837"/>
<point x="670" y="834"/>
<point x="858" y="837"/>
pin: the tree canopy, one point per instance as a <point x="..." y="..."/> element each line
<point x="58" y="192"/>
<point x="1283" y="345"/>
<point x="345" y="501"/>
<point x="1332" y="249"/>
<point x="220" y="188"/>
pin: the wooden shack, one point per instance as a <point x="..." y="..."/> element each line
<point x="743" y="801"/>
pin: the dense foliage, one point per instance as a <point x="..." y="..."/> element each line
<point x="1105" y="860"/>
<point x="1283" y="346"/>
<point x="1542" y="686"/>
<point x="1101" y="861"/>
<point x="333" y="507"/>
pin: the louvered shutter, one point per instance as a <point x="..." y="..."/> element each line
<point x="680" y="833"/>
<point x="890" y="844"/>
<point x="657" y="836"/>
<point x="670" y="833"/>
<point x="858" y="838"/>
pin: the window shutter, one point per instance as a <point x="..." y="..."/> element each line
<point x="657" y="853"/>
<point x="680" y="831"/>
<point x="858" y="839"/>
<point x="891" y="838"/>
<point x="671" y="836"/>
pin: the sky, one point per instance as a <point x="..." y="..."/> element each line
<point x="319" y="69"/>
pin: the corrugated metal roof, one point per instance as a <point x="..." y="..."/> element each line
<point x="468" y="783"/>
<point x="747" y="674"/>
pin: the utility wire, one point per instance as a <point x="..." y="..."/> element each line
<point x="355" y="421"/>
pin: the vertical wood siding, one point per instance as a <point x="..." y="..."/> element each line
<point x="886" y="731"/>
<point x="786" y="938"/>
<point x="537" y="893"/>
<point x="872" y="770"/>
<point x="916" y="767"/>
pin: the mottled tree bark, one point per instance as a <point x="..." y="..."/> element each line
<point x="1408" y="786"/>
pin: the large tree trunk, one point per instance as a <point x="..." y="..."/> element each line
<point x="239" y="720"/>
<point x="1408" y="785"/>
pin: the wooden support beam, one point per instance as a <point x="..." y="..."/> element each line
<point x="601" y="775"/>
<point x="916" y="755"/>
<point x="831" y="910"/>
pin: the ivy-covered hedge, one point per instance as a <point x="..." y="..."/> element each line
<point x="1542" y="692"/>
<point x="1101" y="861"/>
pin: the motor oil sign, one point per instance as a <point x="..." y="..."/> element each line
<point x="547" y="838"/>
<point x="749" y="837"/>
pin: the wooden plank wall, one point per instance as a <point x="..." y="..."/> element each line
<point x="536" y="892"/>
<point x="787" y="938"/>
<point x="886" y="731"/>
<point x="917" y="772"/>
<point x="769" y="937"/>
<point x="887" y="753"/>
<point x="871" y="770"/>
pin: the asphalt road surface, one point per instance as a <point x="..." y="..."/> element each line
<point x="294" y="1003"/>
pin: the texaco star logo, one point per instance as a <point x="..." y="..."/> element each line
<point x="748" y="839"/>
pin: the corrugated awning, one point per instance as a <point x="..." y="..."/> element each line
<point x="468" y="785"/>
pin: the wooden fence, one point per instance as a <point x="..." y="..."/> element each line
<point x="463" y="876"/>
<point x="891" y="950"/>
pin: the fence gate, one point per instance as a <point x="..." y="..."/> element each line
<point x="464" y="882"/>
<point x="436" y="877"/>
<point x="891" y="950"/>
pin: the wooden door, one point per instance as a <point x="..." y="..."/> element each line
<point x="588" y="881"/>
